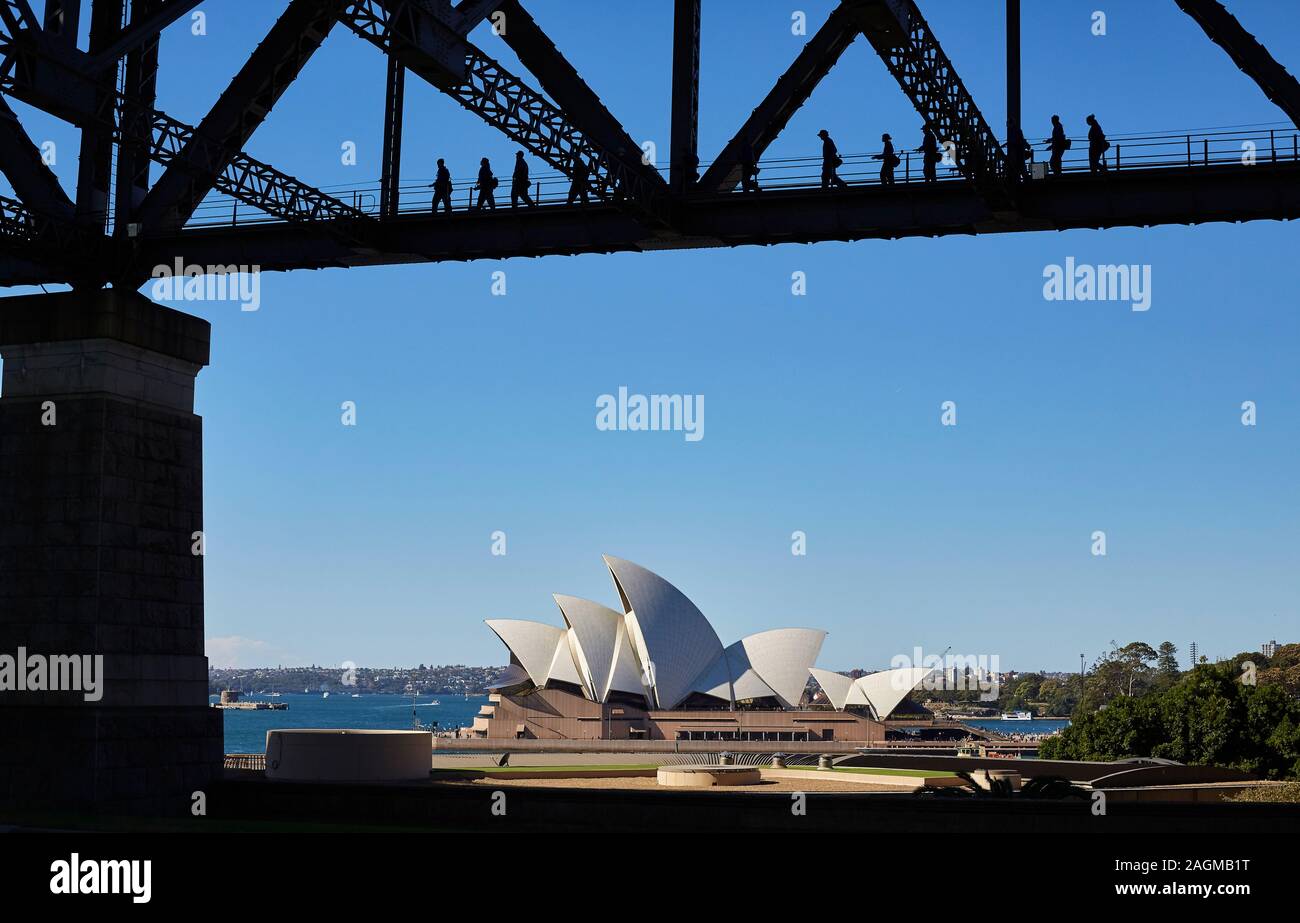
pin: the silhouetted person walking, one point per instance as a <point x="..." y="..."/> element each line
<point x="1097" y="146"/>
<point x="930" y="156"/>
<point x="442" y="187"/>
<point x="888" y="160"/>
<point x="519" y="182"/>
<point x="1058" y="144"/>
<point x="748" y="169"/>
<point x="578" y="187"/>
<point x="486" y="185"/>
<point x="831" y="161"/>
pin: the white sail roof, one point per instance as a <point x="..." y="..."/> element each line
<point x="532" y="643"/>
<point x="884" y="691"/>
<point x="514" y="675"/>
<point x="593" y="631"/>
<point x="732" y="678"/>
<point x="625" y="674"/>
<point x="716" y="679"/>
<point x="835" y="685"/>
<point x="678" y="640"/>
<point x="782" y="657"/>
<point x="563" y="667"/>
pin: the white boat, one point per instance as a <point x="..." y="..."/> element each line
<point x="325" y="695"/>
<point x="356" y="695"/>
<point x="1017" y="716"/>
<point x="435" y="702"/>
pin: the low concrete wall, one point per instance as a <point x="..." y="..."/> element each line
<point x="861" y="778"/>
<point x="304" y="754"/>
<point x="1204" y="793"/>
<point x="596" y="772"/>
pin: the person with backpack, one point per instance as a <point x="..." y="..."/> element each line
<point x="1058" y="144"/>
<point x="1097" y="146"/>
<point x="519" y="182"/>
<point x="442" y="187"/>
<point x="930" y="155"/>
<point x="578" y="185"/>
<point x="486" y="185"/>
<point x="888" y="160"/>
<point x="831" y="161"/>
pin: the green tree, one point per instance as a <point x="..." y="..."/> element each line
<point x="1167" y="662"/>
<point x="1208" y="717"/>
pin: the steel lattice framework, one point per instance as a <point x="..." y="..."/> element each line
<point x="119" y="223"/>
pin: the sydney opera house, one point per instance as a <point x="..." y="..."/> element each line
<point x="656" y="670"/>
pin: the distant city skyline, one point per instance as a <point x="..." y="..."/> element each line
<point x="476" y="413"/>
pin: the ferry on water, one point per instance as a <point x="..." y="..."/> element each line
<point x="1017" y="716"/>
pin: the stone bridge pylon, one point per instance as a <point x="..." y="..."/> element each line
<point x="101" y="497"/>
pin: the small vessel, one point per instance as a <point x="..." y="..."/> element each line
<point x="356" y="695"/>
<point x="325" y="695"/>
<point x="435" y="702"/>
<point x="1017" y="716"/>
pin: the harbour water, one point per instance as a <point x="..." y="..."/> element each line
<point x="1032" y="727"/>
<point x="246" y="730"/>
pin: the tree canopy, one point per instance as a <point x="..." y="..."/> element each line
<point x="1208" y="717"/>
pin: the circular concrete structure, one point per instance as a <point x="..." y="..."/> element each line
<point x="309" y="755"/>
<point x="707" y="776"/>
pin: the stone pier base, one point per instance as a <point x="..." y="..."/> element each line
<point x="101" y="494"/>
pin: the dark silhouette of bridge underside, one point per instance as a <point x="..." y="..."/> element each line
<point x="119" y="224"/>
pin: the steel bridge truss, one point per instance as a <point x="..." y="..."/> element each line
<point x="107" y="92"/>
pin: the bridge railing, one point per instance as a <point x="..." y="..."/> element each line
<point x="1216" y="147"/>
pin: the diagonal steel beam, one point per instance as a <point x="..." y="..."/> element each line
<point x="18" y="14"/>
<point x="409" y="29"/>
<point x="31" y="178"/>
<point x="429" y="47"/>
<point x="57" y="81"/>
<point x="142" y="30"/>
<point x="1247" y="53"/>
<point x="469" y="13"/>
<point x="790" y="92"/>
<point x="904" y="41"/>
<point x="581" y="106"/>
<point x="224" y="131"/>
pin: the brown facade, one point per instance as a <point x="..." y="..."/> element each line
<point x="555" y="714"/>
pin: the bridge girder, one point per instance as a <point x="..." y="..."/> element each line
<point x="912" y="54"/>
<point x="427" y="46"/>
<point x="1248" y="53"/>
<point x="45" y="236"/>
<point x="1138" y="198"/>
<point x="785" y="98"/>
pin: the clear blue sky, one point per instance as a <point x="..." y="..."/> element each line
<point x="476" y="413"/>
